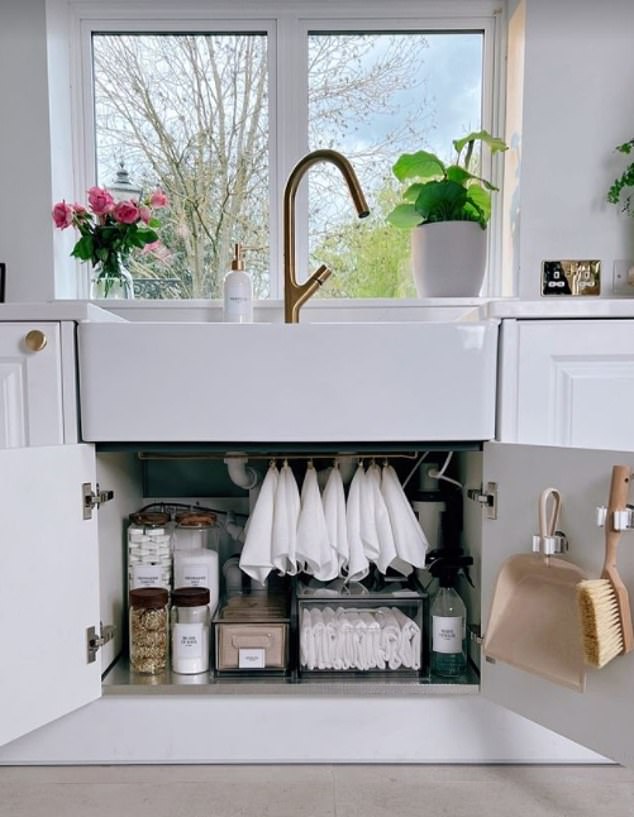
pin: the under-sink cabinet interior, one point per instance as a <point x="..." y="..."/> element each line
<point x="152" y="494"/>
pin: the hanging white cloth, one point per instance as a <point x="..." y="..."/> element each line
<point x="334" y="501"/>
<point x="358" y="565"/>
<point x="409" y="539"/>
<point x="286" y="508"/>
<point x="255" y="559"/>
<point x="387" y="556"/>
<point x="314" y="550"/>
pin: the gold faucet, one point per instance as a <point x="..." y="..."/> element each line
<point x="297" y="294"/>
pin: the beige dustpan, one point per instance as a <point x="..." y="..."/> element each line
<point x="533" y="624"/>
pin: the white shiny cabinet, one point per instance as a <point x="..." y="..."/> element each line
<point x="38" y="390"/>
<point x="567" y="382"/>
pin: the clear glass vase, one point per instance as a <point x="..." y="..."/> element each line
<point x="111" y="279"/>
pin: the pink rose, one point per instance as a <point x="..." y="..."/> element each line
<point x="79" y="209"/>
<point x="126" y="212"/>
<point x="145" y="213"/>
<point x="158" y="199"/>
<point x="157" y="249"/>
<point x="101" y="202"/>
<point x="62" y="215"/>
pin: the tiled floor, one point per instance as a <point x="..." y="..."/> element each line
<point x="317" y="791"/>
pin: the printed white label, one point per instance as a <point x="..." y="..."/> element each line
<point x="187" y="640"/>
<point x="447" y="634"/>
<point x="251" y="658"/>
<point x="146" y="576"/>
<point x="192" y="575"/>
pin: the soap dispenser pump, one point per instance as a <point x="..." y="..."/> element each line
<point x="238" y="292"/>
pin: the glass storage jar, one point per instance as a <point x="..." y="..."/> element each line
<point x="149" y="632"/>
<point x="190" y="630"/>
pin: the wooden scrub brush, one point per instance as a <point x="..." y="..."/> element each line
<point x="604" y="605"/>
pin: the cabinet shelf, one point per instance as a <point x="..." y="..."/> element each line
<point x="121" y="681"/>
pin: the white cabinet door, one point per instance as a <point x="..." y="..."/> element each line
<point x="49" y="586"/>
<point x="567" y="383"/>
<point x="602" y="717"/>
<point x="30" y="386"/>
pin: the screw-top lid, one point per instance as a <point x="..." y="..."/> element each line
<point x="190" y="596"/>
<point x="195" y="520"/>
<point x="150" y="598"/>
<point x="150" y="519"/>
<point x="238" y="260"/>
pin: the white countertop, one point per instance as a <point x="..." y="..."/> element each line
<point x="329" y="311"/>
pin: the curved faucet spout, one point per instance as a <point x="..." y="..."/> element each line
<point x="297" y="294"/>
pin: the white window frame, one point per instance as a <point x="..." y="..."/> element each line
<point x="286" y="24"/>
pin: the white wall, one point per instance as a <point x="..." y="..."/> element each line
<point x="578" y="104"/>
<point x="26" y="235"/>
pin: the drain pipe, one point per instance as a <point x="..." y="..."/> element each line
<point x="240" y="473"/>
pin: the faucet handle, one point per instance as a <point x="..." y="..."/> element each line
<point x="321" y="275"/>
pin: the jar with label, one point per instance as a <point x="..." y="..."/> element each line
<point x="149" y="554"/>
<point x="190" y="630"/>
<point x="149" y="630"/>
<point x="195" y="564"/>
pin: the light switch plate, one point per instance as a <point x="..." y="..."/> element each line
<point x="623" y="278"/>
<point x="578" y="277"/>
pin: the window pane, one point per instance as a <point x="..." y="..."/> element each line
<point x="373" y="96"/>
<point x="189" y="113"/>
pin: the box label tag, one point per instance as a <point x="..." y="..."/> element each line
<point x="251" y="658"/>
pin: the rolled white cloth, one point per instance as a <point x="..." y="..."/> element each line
<point x="285" y="517"/>
<point x="306" y="640"/>
<point x="314" y="549"/>
<point x="410" y="639"/>
<point x="409" y="539"/>
<point x="372" y="636"/>
<point x="358" y="565"/>
<point x="390" y="640"/>
<point x="334" y="501"/>
<point x="256" y="557"/>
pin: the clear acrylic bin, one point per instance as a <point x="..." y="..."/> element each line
<point x="252" y="635"/>
<point x="362" y="633"/>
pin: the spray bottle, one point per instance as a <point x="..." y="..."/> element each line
<point x="448" y="616"/>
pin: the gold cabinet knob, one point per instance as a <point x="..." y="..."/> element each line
<point x="35" y="340"/>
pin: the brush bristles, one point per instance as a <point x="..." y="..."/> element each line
<point x="600" y="621"/>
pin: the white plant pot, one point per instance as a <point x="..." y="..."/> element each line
<point x="449" y="259"/>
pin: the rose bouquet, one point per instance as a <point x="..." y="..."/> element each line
<point x="110" y="230"/>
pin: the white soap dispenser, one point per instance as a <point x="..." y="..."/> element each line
<point x="238" y="291"/>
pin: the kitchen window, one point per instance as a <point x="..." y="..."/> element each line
<point x="217" y="112"/>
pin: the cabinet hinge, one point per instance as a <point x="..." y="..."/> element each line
<point x="94" y="641"/>
<point x="488" y="498"/>
<point x="93" y="499"/>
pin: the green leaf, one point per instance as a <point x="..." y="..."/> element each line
<point x="481" y="200"/>
<point x="83" y="248"/>
<point x="147" y="236"/>
<point x="154" y="222"/>
<point x="458" y="174"/>
<point x="494" y="143"/>
<point x="404" y="216"/>
<point x="421" y="165"/>
<point x="411" y="194"/>
<point x="441" y="201"/>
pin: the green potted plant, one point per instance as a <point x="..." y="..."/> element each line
<point x="447" y="207"/>
<point x="626" y="180"/>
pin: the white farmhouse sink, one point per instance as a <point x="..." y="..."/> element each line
<point x="315" y="382"/>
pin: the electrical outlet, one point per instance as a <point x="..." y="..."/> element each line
<point x="571" y="277"/>
<point x="623" y="278"/>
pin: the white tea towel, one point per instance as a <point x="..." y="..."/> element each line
<point x="372" y="635"/>
<point x="410" y="639"/>
<point x="314" y="550"/>
<point x="255" y="559"/>
<point x="285" y="517"/>
<point x="369" y="533"/>
<point x="409" y="539"/>
<point x="306" y="640"/>
<point x="390" y="639"/>
<point x="387" y="548"/>
<point x="334" y="501"/>
<point x="358" y="565"/>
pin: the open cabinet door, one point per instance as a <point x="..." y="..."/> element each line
<point x="49" y="586"/>
<point x="601" y="717"/>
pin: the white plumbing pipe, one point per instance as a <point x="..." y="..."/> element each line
<point x="240" y="473"/>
